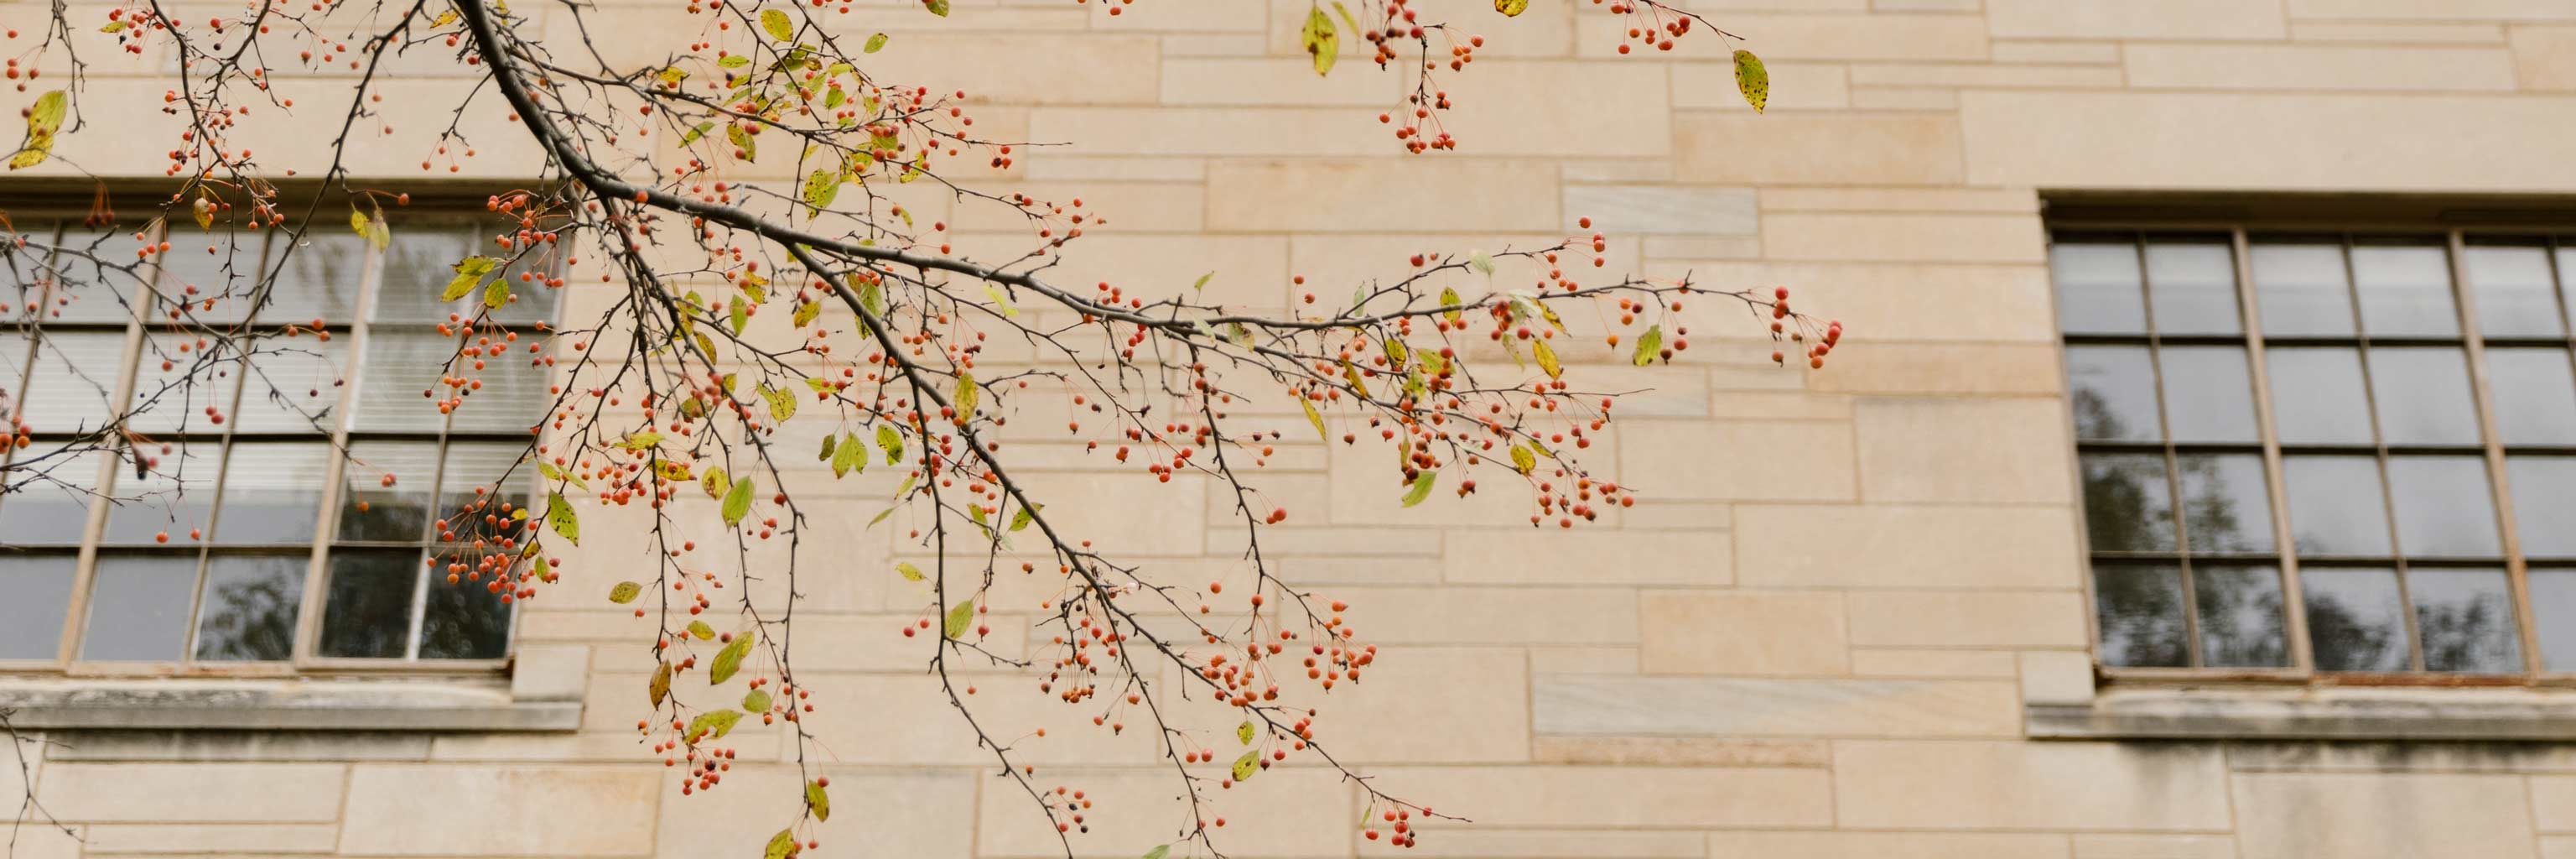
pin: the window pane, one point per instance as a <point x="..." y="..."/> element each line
<point x="2240" y="615"/>
<point x="2535" y="395"/>
<point x="2516" y="295"/>
<point x="2113" y="389"/>
<point x="138" y="608"/>
<point x="294" y="384"/>
<point x="513" y="396"/>
<point x="178" y="378"/>
<point x="2336" y="506"/>
<point x="2317" y="395"/>
<point x="367" y="609"/>
<point x="40" y="593"/>
<point x="200" y="268"/>
<point x="2194" y="287"/>
<point x="2128" y="506"/>
<point x="319" y="280"/>
<point x="2140" y="608"/>
<point x="2553" y="609"/>
<point x="74" y="381"/>
<point x="249" y="607"/>
<point x="273" y="492"/>
<point x="2355" y="620"/>
<point x="466" y="494"/>
<point x="2444" y="506"/>
<point x="2302" y="289"/>
<point x="466" y="621"/>
<point x="172" y="498"/>
<point x="2405" y="289"/>
<point x="2466" y="619"/>
<point x="418" y="266"/>
<point x="45" y="502"/>
<point x="2208" y="396"/>
<point x="400" y="365"/>
<point x="83" y="292"/>
<point x="2423" y="396"/>
<point x="2097" y="288"/>
<point x="2544" y="504"/>
<point x="385" y="490"/>
<point x="2226" y="504"/>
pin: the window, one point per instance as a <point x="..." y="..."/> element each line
<point x="2345" y="453"/>
<point x="228" y="527"/>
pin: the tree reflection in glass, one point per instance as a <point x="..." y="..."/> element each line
<point x="2139" y="607"/>
<point x="2128" y="506"/>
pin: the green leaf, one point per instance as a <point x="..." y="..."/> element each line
<point x="1201" y="286"/>
<point x="729" y="660"/>
<point x="1244" y="732"/>
<point x="1316" y="418"/>
<point x="1522" y="459"/>
<point x="1481" y="261"/>
<point x="817" y="800"/>
<point x="1245" y="766"/>
<point x="1160" y="851"/>
<point x="559" y="475"/>
<point x="714" y="481"/>
<point x="698" y="132"/>
<point x="782" y="403"/>
<point x="44" y="121"/>
<point x="1511" y="8"/>
<point x="1001" y="300"/>
<point x="890" y="441"/>
<point x="851" y="456"/>
<point x="936" y="7"/>
<point x="821" y="186"/>
<point x="876" y="43"/>
<point x="733" y="61"/>
<point x="1320" y="39"/>
<point x="806" y="313"/>
<point x="640" y="441"/>
<point x="560" y="517"/>
<point x="910" y="573"/>
<point x="713" y="724"/>
<point x="1547" y="359"/>
<point x="967" y="393"/>
<point x="737" y="316"/>
<point x="469" y="273"/>
<point x="1649" y="345"/>
<point x="742" y="140"/>
<point x="497" y="293"/>
<point x="829" y="441"/>
<point x="781" y="845"/>
<point x="960" y="618"/>
<point x="700" y="629"/>
<point x="660" y="687"/>
<point x="1449" y="298"/>
<point x="737" y="502"/>
<point x="625" y="592"/>
<point x="756" y="701"/>
<point x="776" y="23"/>
<point x="1026" y="514"/>
<point x="1421" y="488"/>
<point x="1752" y="80"/>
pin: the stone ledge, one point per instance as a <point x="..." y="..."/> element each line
<point x="2311" y="714"/>
<point x="285" y="704"/>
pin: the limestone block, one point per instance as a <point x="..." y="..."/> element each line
<point x="1742" y="633"/>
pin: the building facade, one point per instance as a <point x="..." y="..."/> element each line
<point x="2193" y="481"/>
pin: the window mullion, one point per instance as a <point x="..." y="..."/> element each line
<point x="308" y="618"/>
<point x="2492" y="437"/>
<point x="2379" y="465"/>
<point x="2293" y="594"/>
<point x="85" y="573"/>
<point x="248" y="330"/>
<point x="2173" y="466"/>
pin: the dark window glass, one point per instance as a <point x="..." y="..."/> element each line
<point x="2128" y="506"/>
<point x="40" y="592"/>
<point x="2226" y="503"/>
<point x="2336" y="505"/>
<point x="2240" y="615"/>
<point x="2113" y="389"/>
<point x="2553" y="608"/>
<point x="138" y="608"/>
<point x="385" y="490"/>
<point x="367" y="609"/>
<point x="2356" y="622"/>
<point x="2466" y="619"/>
<point x="2097" y="288"/>
<point x="249" y="607"/>
<point x="2140" y="611"/>
<point x="465" y="621"/>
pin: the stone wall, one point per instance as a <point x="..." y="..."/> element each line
<point x="1818" y="637"/>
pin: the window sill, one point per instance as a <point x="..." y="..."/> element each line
<point x="543" y="693"/>
<point x="2310" y="714"/>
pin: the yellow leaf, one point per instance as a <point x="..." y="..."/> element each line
<point x="1547" y="360"/>
<point x="1316" y="418"/>
<point x="1511" y="8"/>
<point x="1321" y="39"/>
<point x="1752" y="80"/>
<point x="1245" y="766"/>
<point x="959" y="618"/>
<point x="777" y="24"/>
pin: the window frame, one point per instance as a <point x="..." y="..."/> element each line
<point x="2242" y="225"/>
<point x="434" y="211"/>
